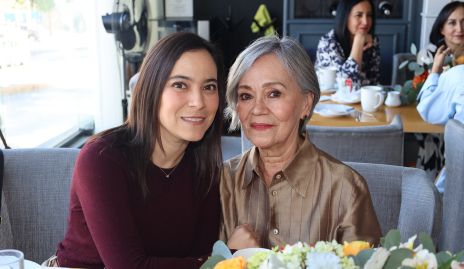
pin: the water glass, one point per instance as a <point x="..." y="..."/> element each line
<point x="11" y="259"/>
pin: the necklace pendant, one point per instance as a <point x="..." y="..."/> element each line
<point x="167" y="176"/>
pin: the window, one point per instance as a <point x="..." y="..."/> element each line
<point x="49" y="76"/>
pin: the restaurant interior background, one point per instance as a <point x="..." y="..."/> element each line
<point x="63" y="76"/>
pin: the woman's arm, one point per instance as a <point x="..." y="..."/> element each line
<point x="330" y="53"/>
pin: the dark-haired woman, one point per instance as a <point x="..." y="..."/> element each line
<point x="145" y="194"/>
<point x="441" y="96"/>
<point x="352" y="47"/>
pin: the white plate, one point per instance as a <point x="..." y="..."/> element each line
<point x="332" y="110"/>
<point x="328" y="90"/>
<point x="324" y="98"/>
<point x="246" y="253"/>
<point x="31" y="265"/>
<point x="352" y="98"/>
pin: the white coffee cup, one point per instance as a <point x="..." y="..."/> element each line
<point x="371" y="98"/>
<point x="326" y="77"/>
<point x="11" y="259"/>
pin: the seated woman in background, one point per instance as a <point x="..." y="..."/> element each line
<point x="442" y="95"/>
<point x="352" y="47"/>
<point x="284" y="189"/>
<point x="146" y="194"/>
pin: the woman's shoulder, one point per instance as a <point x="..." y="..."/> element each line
<point x="102" y="147"/>
<point x="339" y="170"/>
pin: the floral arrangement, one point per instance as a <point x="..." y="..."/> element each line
<point x="421" y="67"/>
<point x="392" y="254"/>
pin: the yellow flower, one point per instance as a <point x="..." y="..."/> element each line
<point x="354" y="247"/>
<point x="234" y="263"/>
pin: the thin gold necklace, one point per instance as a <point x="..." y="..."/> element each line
<point x="167" y="175"/>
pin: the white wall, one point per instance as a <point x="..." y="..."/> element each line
<point x="429" y="13"/>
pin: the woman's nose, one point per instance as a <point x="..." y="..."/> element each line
<point x="259" y="106"/>
<point x="196" y="98"/>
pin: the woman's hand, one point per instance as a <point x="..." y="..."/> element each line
<point x="439" y="59"/>
<point x="361" y="42"/>
<point x="243" y="237"/>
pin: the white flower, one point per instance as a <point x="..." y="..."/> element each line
<point x="422" y="259"/>
<point x="322" y="261"/>
<point x="378" y="259"/>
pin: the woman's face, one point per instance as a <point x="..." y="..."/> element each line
<point x="453" y="29"/>
<point x="360" y="18"/>
<point x="190" y="98"/>
<point x="270" y="104"/>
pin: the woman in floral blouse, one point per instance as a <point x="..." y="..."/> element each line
<point x="352" y="47"/>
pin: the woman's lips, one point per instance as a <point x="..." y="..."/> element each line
<point x="194" y="120"/>
<point x="261" y="126"/>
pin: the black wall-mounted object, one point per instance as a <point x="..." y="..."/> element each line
<point x="397" y="26"/>
<point x="319" y="9"/>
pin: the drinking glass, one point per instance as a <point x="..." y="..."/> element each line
<point x="11" y="259"/>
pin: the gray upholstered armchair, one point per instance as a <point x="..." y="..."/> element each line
<point x="404" y="198"/>
<point x="36" y="197"/>
<point x="452" y="235"/>
<point x="368" y="144"/>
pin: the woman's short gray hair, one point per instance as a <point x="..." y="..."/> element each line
<point x="292" y="55"/>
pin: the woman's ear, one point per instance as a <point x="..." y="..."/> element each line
<point x="307" y="105"/>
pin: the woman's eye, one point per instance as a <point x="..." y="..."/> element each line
<point x="211" y="87"/>
<point x="244" y="96"/>
<point x="179" y="85"/>
<point x="274" y="94"/>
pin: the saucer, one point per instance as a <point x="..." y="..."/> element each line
<point x="332" y="110"/>
<point x="351" y="98"/>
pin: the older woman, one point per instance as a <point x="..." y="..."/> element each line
<point x="284" y="189"/>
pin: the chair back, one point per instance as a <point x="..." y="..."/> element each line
<point x="404" y="198"/>
<point x="452" y="235"/>
<point x="399" y="76"/>
<point x="36" y="190"/>
<point x="231" y="146"/>
<point x="367" y="144"/>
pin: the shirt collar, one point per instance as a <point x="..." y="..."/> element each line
<point x="298" y="173"/>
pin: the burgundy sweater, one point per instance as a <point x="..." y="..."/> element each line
<point x="111" y="225"/>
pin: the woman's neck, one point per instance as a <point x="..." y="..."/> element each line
<point x="273" y="161"/>
<point x="170" y="156"/>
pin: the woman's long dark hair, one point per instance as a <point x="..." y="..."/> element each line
<point x="341" y="23"/>
<point x="141" y="131"/>
<point x="436" y="37"/>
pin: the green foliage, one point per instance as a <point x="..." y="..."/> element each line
<point x="392" y="239"/>
<point x="212" y="261"/>
<point x="396" y="258"/>
<point x="427" y="242"/>
<point x="362" y="257"/>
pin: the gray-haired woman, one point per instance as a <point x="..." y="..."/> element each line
<point x="284" y="189"/>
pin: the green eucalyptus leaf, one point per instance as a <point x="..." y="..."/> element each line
<point x="392" y="239"/>
<point x="413" y="49"/>
<point x="403" y="64"/>
<point x="412" y="66"/>
<point x="459" y="256"/>
<point x="448" y="60"/>
<point x="407" y="267"/>
<point x="396" y="258"/>
<point x="397" y="88"/>
<point x="443" y="258"/>
<point x="211" y="262"/>
<point x="427" y="242"/>
<point x="419" y="71"/>
<point x="220" y="248"/>
<point x="362" y="257"/>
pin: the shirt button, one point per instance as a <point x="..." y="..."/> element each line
<point x="275" y="231"/>
<point x="274" y="193"/>
<point x="278" y="176"/>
